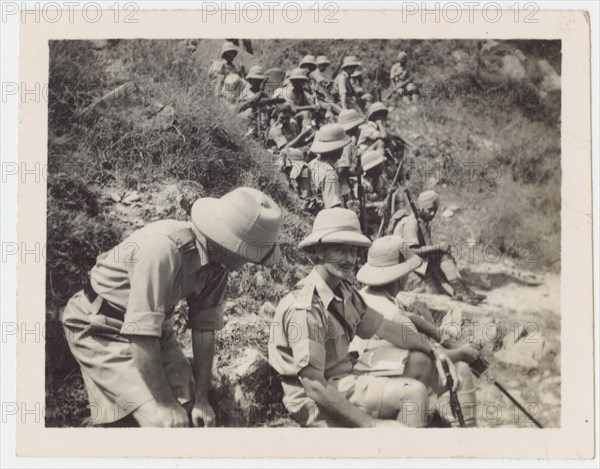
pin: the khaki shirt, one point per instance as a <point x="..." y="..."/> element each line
<point x="154" y="268"/>
<point x="325" y="182"/>
<point x="408" y="228"/>
<point x="305" y="332"/>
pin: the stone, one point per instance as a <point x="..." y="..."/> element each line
<point x="248" y="390"/>
<point x="131" y="197"/>
<point x="448" y="213"/>
<point x="512" y="358"/>
<point x="115" y="197"/>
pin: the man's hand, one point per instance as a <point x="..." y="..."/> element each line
<point x="441" y="357"/>
<point x="203" y="414"/>
<point x="153" y="414"/>
<point x="465" y="353"/>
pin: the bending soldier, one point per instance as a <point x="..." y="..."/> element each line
<point x="119" y="327"/>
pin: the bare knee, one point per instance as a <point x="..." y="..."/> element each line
<point x="419" y="366"/>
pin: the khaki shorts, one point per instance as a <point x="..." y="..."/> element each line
<point x="114" y="384"/>
<point x="361" y="389"/>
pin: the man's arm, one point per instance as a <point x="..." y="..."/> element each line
<point x="334" y="404"/>
<point x="404" y="335"/>
<point x="167" y="412"/>
<point x="203" y="346"/>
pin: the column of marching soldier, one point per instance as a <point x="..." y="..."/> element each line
<point x="346" y="357"/>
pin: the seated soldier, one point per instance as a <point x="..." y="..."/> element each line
<point x="329" y="145"/>
<point x="250" y="96"/>
<point x="319" y="75"/>
<point x="374" y="134"/>
<point x="281" y="133"/>
<point x="220" y="69"/>
<point x="357" y="81"/>
<point x="303" y="105"/>
<point x="313" y="327"/>
<point x="385" y="275"/>
<point x="439" y="267"/>
<point x="350" y="120"/>
<point x="343" y="90"/>
<point x="402" y="81"/>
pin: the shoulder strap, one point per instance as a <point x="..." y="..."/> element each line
<point x="182" y="237"/>
<point x="304" y="296"/>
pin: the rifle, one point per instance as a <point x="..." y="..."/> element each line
<point x="377" y="87"/>
<point x="479" y="367"/>
<point x="390" y="196"/>
<point x="420" y="234"/>
<point x="362" y="209"/>
<point x="337" y="70"/>
<point x="454" y="403"/>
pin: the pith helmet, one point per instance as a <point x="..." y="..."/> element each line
<point x="377" y="107"/>
<point x="330" y="137"/>
<point x="388" y="260"/>
<point x="298" y="74"/>
<point x="336" y="226"/>
<point x="228" y="47"/>
<point x="308" y="60"/>
<point x="322" y="60"/>
<point x="349" y="119"/>
<point x="244" y="221"/>
<point x="256" y="72"/>
<point x="370" y="159"/>
<point x="350" y="61"/>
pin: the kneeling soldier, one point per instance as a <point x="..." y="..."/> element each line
<point x="119" y="327"/>
<point x="313" y="327"/>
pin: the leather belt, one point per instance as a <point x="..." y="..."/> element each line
<point x="105" y="307"/>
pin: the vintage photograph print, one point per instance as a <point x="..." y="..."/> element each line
<point x="286" y="234"/>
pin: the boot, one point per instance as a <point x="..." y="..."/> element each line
<point x="479" y="297"/>
<point x="460" y="293"/>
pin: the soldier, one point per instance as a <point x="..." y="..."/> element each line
<point x="119" y="327"/>
<point x="402" y="81"/>
<point x="224" y="67"/>
<point x="318" y="75"/>
<point x="385" y="274"/>
<point x="313" y="327"/>
<point x="357" y="82"/>
<point x="351" y="121"/>
<point x="439" y="266"/>
<point x="376" y="136"/>
<point x="252" y="91"/>
<point x="309" y="63"/>
<point x="303" y="105"/>
<point x="329" y="144"/>
<point x="282" y="132"/>
<point x="250" y="96"/>
<point x="374" y="133"/>
<point x="343" y="89"/>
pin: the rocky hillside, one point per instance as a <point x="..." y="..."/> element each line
<point x="135" y="136"/>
